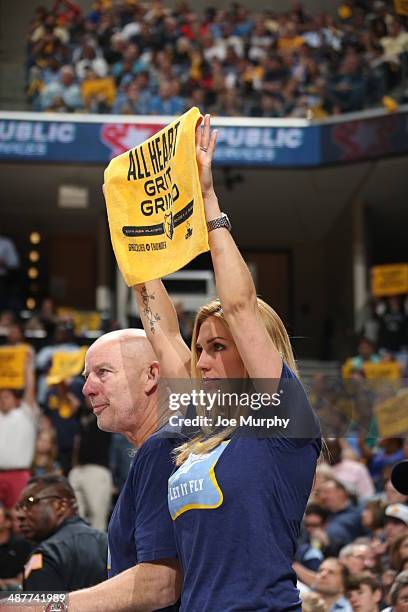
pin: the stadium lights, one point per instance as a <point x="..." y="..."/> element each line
<point x="33" y="272"/>
<point x="35" y="237"/>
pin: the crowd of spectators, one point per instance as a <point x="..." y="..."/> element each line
<point x="58" y="431"/>
<point x="130" y="57"/>
<point x="355" y="540"/>
<point x="353" y="548"/>
<point x="352" y="553"/>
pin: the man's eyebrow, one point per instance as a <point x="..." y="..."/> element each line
<point x="103" y="364"/>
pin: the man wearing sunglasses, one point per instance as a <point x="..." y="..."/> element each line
<point x="70" y="554"/>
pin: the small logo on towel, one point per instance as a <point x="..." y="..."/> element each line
<point x="189" y="231"/>
<point x="169" y="225"/>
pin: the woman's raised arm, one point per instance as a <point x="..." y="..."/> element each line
<point x="162" y="328"/>
<point x="234" y="283"/>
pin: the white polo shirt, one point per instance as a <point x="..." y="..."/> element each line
<point x="18" y="431"/>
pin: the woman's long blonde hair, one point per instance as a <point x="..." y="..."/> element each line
<point x="280" y="338"/>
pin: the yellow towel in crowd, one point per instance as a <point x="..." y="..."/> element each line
<point x="154" y="202"/>
<point x="66" y="365"/>
<point x="12" y="364"/>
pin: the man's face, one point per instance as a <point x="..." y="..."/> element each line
<point x="114" y="385"/>
<point x="402" y="601"/>
<point x="365" y="349"/>
<point x="39" y="512"/>
<point x="329" y="579"/>
<point x="360" y="559"/>
<point x="363" y="599"/>
<point x="331" y="497"/>
<point x="8" y="401"/>
<point x="312" y="522"/>
<point x="67" y="78"/>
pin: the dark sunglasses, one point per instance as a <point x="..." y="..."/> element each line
<point x="30" y="502"/>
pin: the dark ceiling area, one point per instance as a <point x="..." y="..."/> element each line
<point x="268" y="207"/>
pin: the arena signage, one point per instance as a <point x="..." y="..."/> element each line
<point x="95" y="142"/>
<point x="31" y="138"/>
<point x="365" y="138"/>
<point x="248" y="142"/>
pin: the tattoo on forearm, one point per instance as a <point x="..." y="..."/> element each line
<point x="150" y="316"/>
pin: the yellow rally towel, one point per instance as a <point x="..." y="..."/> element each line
<point x="65" y="365"/>
<point x="401" y="7"/>
<point x="154" y="202"/>
<point x="12" y="364"/>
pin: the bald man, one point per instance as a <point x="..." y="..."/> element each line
<point x="122" y="375"/>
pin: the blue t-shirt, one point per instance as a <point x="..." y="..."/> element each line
<point x="309" y="557"/>
<point x="237" y="513"/>
<point x="141" y="529"/>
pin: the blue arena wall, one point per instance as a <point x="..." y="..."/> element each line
<point x="290" y="143"/>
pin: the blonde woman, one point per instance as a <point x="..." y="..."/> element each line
<point x="237" y="501"/>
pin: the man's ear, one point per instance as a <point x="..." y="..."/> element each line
<point x="153" y="375"/>
<point x="62" y="506"/>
